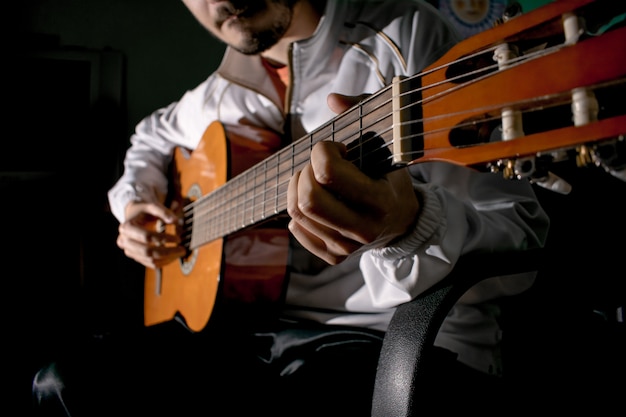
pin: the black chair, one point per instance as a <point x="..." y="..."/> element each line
<point x="566" y="335"/>
<point x="408" y="344"/>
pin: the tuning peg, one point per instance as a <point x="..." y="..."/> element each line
<point x="554" y="183"/>
<point x="511" y="11"/>
<point x="583" y="156"/>
<point x="611" y="155"/>
<point x="533" y="169"/>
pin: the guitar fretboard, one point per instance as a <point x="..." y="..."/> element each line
<point x="260" y="192"/>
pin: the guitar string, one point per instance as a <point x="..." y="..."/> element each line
<point x="244" y="206"/>
<point x="241" y="201"/>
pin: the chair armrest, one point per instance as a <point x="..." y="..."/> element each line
<point x="409" y="341"/>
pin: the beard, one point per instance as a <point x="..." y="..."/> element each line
<point x="257" y="33"/>
<point x="259" y="41"/>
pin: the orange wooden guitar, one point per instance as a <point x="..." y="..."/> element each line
<point x="554" y="91"/>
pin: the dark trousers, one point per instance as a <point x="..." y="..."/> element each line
<point x="166" y="370"/>
<point x="302" y="370"/>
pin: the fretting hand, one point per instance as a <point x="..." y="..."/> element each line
<point x="335" y="209"/>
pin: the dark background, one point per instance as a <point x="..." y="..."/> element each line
<point x="78" y="76"/>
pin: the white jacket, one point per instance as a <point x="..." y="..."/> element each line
<point x="358" y="47"/>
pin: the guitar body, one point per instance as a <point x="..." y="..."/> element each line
<point x="248" y="267"/>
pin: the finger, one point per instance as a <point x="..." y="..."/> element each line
<point x="326" y="236"/>
<point x="151" y="256"/>
<point x="365" y="209"/>
<point x="158" y="211"/>
<point x="361" y="196"/>
<point x="339" y="103"/>
<point x="330" y="238"/>
<point x="152" y="260"/>
<point x="337" y="174"/>
<point x="347" y="181"/>
<point x="331" y="249"/>
<point x="324" y="213"/>
<point x="137" y="230"/>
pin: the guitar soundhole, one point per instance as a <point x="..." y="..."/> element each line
<point x="188" y="262"/>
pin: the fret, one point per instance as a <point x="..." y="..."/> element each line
<point x="301" y="153"/>
<point x="271" y="175"/>
<point x="285" y="165"/>
<point x="231" y="208"/>
<point x="325" y="132"/>
<point x="241" y="201"/>
<point x="257" y="195"/>
<point x="248" y="195"/>
<point x="277" y="183"/>
<point x="256" y="187"/>
<point x="347" y="126"/>
<point x="264" y="189"/>
<point x="377" y="112"/>
<point x="224" y="195"/>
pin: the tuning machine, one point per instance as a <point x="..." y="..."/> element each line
<point x="610" y="155"/>
<point x="534" y="169"/>
<point x="517" y="168"/>
<point x="528" y="167"/>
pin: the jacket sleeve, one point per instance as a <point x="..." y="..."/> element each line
<point x="152" y="146"/>
<point x="462" y="211"/>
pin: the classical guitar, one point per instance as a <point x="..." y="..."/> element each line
<point x="539" y="88"/>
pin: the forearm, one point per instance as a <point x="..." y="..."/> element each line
<point x="145" y="166"/>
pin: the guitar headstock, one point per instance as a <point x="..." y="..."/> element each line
<point x="537" y="89"/>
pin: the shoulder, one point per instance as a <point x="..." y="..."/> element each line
<point x="381" y="13"/>
<point x="411" y="33"/>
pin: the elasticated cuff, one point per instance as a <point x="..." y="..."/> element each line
<point x="426" y="226"/>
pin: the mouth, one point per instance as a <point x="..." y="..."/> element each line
<point x="228" y="13"/>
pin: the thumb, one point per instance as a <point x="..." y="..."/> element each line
<point x="339" y="103"/>
<point x="154" y="209"/>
